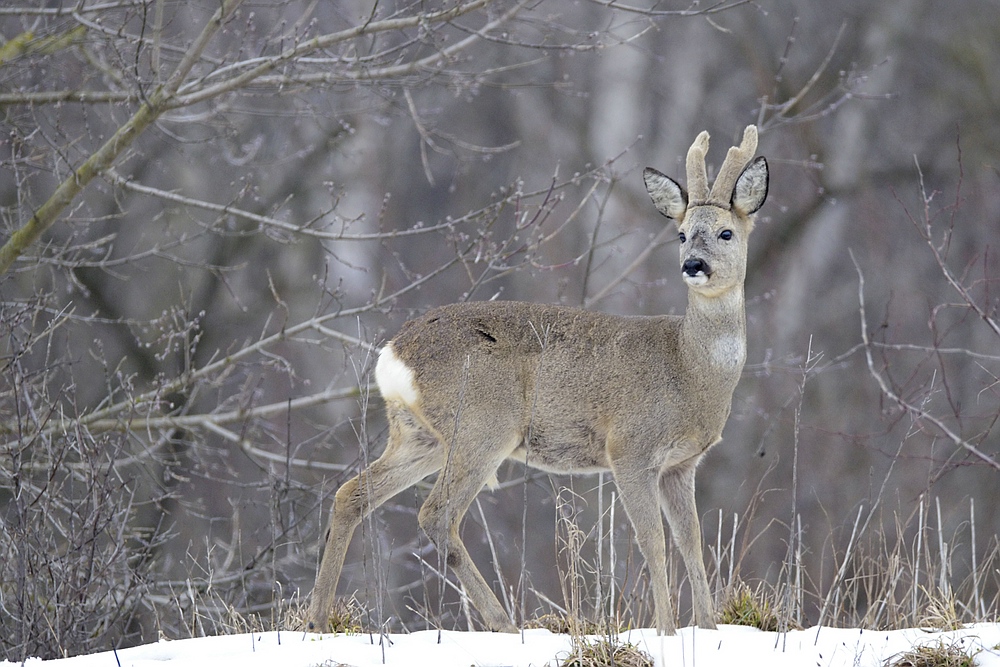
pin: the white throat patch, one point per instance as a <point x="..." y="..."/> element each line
<point x="728" y="351"/>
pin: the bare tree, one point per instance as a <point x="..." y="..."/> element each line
<point x="211" y="212"/>
<point x="200" y="248"/>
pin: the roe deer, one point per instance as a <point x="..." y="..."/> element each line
<point x="469" y="385"/>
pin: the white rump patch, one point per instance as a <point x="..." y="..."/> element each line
<point x="395" y="379"/>
<point x="728" y="351"/>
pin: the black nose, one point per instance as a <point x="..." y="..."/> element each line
<point x="693" y="267"/>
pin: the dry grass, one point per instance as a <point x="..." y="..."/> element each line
<point x="346" y="617"/>
<point x="605" y="652"/>
<point x="940" y="654"/>
<point x="561" y="624"/>
<point x="888" y="580"/>
<point x="744" y="606"/>
<point x="941" y="613"/>
<point x="891" y="580"/>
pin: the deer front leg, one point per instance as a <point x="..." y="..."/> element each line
<point x="637" y="485"/>
<point x="678" y="503"/>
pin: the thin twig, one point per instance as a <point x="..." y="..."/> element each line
<point x="914" y="411"/>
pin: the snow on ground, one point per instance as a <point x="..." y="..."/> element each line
<point x="727" y="646"/>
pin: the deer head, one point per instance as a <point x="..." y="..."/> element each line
<point x="713" y="225"/>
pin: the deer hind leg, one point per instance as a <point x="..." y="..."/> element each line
<point x="637" y="485"/>
<point x="410" y="455"/>
<point x="470" y="465"/>
<point x="678" y="503"/>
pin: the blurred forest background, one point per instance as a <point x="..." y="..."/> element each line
<point x="212" y="211"/>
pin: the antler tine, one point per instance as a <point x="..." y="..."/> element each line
<point x="736" y="160"/>
<point x="697" y="180"/>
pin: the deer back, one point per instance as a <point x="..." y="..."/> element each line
<point x="559" y="380"/>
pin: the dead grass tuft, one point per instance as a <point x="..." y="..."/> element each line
<point x="933" y="655"/>
<point x="941" y="613"/>
<point x="752" y="608"/>
<point x="560" y="624"/>
<point x="604" y="652"/>
<point x="346" y="617"/>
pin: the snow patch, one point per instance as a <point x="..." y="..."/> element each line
<point x="727" y="646"/>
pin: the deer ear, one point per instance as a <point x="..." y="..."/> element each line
<point x="668" y="197"/>
<point x="751" y="188"/>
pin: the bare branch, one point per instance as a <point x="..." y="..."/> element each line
<point x="105" y="156"/>
<point x="194" y="92"/>
<point x="693" y="11"/>
<point x="928" y="236"/>
<point x="915" y="411"/>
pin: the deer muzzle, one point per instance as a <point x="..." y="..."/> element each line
<point x="695" y="271"/>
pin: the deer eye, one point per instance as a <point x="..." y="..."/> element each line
<point x="726" y="235"/>
<point x="682" y="237"/>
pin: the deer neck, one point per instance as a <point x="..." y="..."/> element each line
<point x="713" y="333"/>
